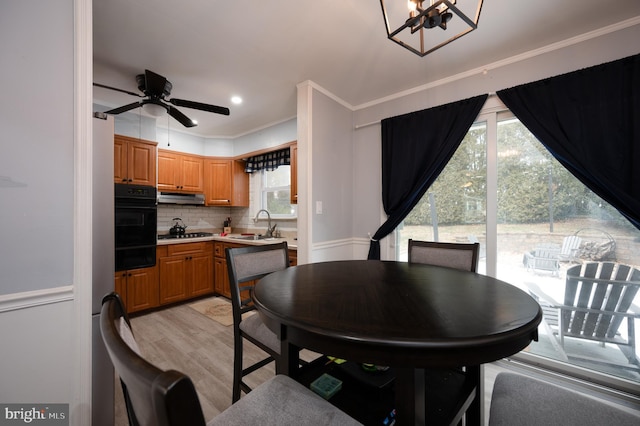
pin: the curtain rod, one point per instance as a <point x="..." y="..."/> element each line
<point x="360" y="126"/>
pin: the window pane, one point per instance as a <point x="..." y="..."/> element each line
<point x="278" y="177"/>
<point x="453" y="208"/>
<point x="279" y="202"/>
<point x="548" y="222"/>
<point x="276" y="192"/>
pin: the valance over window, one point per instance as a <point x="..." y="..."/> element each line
<point x="269" y="161"/>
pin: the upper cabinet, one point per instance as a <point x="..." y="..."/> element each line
<point x="294" y="173"/>
<point x="225" y="183"/>
<point x="134" y="161"/>
<point x="180" y="172"/>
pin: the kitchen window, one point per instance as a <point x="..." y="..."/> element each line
<point x="275" y="193"/>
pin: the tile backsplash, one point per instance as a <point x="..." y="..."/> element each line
<point x="211" y="219"/>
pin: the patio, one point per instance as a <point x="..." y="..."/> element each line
<point x="606" y="358"/>
<point x="514" y="242"/>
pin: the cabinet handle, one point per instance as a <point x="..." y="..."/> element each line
<point x="124" y="179"/>
<point x="223" y="201"/>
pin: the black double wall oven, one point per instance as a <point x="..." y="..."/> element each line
<point x="136" y="219"/>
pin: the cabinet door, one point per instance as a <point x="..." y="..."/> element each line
<point x="168" y="171"/>
<point x="192" y="176"/>
<point x="200" y="274"/>
<point x="173" y="287"/>
<point x="240" y="185"/>
<point x="218" y="191"/>
<point x="120" y="286"/>
<point x="142" y="289"/>
<point x="141" y="163"/>
<point x="221" y="277"/>
<point x="120" y="161"/>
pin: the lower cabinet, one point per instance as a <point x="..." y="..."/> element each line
<point x="182" y="272"/>
<point x="138" y="288"/>
<point x="186" y="271"/>
<point x="221" y="274"/>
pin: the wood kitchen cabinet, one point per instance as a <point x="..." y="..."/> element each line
<point x="134" y="161"/>
<point x="186" y="271"/>
<point x="294" y="173"/>
<point x="225" y="182"/>
<point x="179" y="172"/>
<point x="221" y="273"/>
<point x="138" y="288"/>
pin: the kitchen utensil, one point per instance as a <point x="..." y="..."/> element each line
<point x="179" y="228"/>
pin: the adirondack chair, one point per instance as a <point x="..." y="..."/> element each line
<point x="598" y="297"/>
<point x="547" y="257"/>
<point x="544" y="257"/>
<point x="570" y="248"/>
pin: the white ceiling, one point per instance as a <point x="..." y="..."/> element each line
<point x="213" y="49"/>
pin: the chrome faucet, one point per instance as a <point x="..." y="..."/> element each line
<point x="270" y="229"/>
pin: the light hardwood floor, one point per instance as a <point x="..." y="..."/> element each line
<point x="182" y="339"/>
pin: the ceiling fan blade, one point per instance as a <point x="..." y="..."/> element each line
<point x="118" y="90"/>
<point x="154" y="84"/>
<point x="198" y="105"/>
<point x="183" y="119"/>
<point x="124" y="108"/>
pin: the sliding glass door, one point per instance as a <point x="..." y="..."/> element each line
<point x="538" y="225"/>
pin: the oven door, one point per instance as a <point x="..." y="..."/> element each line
<point x="135" y="226"/>
<point x="134" y="258"/>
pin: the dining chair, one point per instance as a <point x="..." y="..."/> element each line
<point x="246" y="265"/>
<point x="463" y="256"/>
<point x="168" y="398"/>
<point x="524" y="401"/>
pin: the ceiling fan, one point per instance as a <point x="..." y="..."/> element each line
<point x="156" y="88"/>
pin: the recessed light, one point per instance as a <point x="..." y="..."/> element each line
<point x="237" y="100"/>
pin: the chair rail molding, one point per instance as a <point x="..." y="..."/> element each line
<point x="30" y="299"/>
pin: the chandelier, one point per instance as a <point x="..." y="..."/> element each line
<point x="423" y="26"/>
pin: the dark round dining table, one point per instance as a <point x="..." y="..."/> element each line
<point x="408" y="316"/>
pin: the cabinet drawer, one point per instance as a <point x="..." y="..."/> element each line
<point x="177" y="249"/>
<point x="219" y="248"/>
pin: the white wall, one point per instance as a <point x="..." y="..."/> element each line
<point x="589" y="50"/>
<point x="45" y="264"/>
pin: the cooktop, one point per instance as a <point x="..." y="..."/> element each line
<point x="185" y="235"/>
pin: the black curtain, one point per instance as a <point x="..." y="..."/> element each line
<point x="590" y="122"/>
<point x="415" y="149"/>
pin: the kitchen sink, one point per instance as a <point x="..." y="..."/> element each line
<point x="254" y="237"/>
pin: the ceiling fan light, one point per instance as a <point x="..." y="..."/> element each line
<point x="154" y="110"/>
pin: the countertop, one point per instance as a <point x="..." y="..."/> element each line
<point x="292" y="243"/>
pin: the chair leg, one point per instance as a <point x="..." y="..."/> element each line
<point x="237" y="369"/>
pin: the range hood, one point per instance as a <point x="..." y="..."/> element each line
<point x="179" y="198"/>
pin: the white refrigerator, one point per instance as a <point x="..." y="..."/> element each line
<point x="102" y="396"/>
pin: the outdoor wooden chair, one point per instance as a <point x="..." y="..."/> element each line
<point x="598" y="298"/>
<point x="168" y="398"/>
<point x="463" y="256"/>
<point x="545" y="257"/>
<point x="570" y="248"/>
